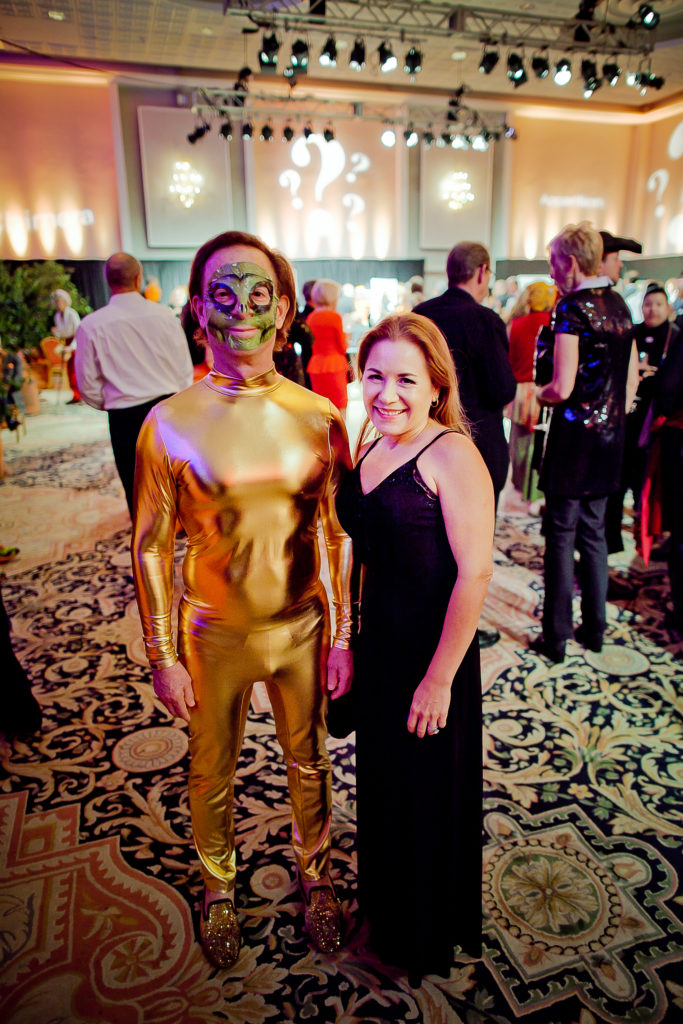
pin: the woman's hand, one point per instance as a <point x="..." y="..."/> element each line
<point x="173" y="687"/>
<point x="339" y="672"/>
<point x="429" y="709"/>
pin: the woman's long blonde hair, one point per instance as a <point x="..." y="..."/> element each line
<point x="428" y="338"/>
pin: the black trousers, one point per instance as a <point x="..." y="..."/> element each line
<point x="124" y="427"/>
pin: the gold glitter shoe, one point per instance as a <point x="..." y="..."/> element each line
<point x="219" y="931"/>
<point x="323" y="918"/>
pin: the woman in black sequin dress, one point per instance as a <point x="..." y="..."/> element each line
<point x="419" y="507"/>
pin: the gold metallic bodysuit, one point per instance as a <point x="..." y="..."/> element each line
<point x="246" y="467"/>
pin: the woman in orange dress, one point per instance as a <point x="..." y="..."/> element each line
<point x="328" y="367"/>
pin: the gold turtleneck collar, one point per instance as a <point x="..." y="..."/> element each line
<point x="262" y="384"/>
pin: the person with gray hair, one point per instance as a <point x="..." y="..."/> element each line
<point x="594" y="380"/>
<point x="65" y="327"/>
<point x="130" y="354"/>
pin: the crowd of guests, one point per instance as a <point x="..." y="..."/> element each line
<point x="248" y="452"/>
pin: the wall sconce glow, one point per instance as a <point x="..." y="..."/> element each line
<point x="388" y="137"/>
<point x="16" y="226"/>
<point x="186" y="184"/>
<point x="456" y="190"/>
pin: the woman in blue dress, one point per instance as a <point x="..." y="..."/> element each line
<point x="419" y="507"/>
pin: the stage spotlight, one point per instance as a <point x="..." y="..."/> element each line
<point x="328" y="134"/>
<point x="357" y="58"/>
<point x="328" y="54"/>
<point x="288" y="133"/>
<point x="540" y="66"/>
<point x="299" y="57"/>
<point x="480" y="142"/>
<point x="445" y="139"/>
<point x="387" y="60"/>
<point x="308" y="131"/>
<point x="411" y="137"/>
<point x="489" y="59"/>
<point x="266" y="133"/>
<point x="646" y="80"/>
<point x="461" y="141"/>
<point x="516" y="72"/>
<point x="388" y="138"/>
<point x="428" y="138"/>
<point x="270" y="48"/>
<point x="199" y="132"/>
<point x="413" y="61"/>
<point x="563" y="72"/>
<point x="647" y="16"/>
<point x="611" y="72"/>
<point x="225" y="130"/>
<point x="247" y="130"/>
<point x="509" y="132"/>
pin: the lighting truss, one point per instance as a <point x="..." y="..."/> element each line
<point x="420" y="19"/>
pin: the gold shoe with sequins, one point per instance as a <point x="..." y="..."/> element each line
<point x="219" y="931"/>
<point x="323" y="916"/>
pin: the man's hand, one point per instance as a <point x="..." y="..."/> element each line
<point x="173" y="687"/>
<point x="339" y="672"/>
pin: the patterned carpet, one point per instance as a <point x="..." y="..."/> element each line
<point x="98" y="881"/>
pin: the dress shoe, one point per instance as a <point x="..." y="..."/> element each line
<point x="619" y="589"/>
<point x="323" y="915"/>
<point x="219" y="931"/>
<point x="552" y="651"/>
<point x="591" y="641"/>
<point x="660" y="552"/>
<point x="487" y="637"/>
<point x="75" y="401"/>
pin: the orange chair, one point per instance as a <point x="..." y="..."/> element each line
<point x="56" y="367"/>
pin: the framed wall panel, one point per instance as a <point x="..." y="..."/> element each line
<point x="187" y="189"/>
<point x="455" y="196"/>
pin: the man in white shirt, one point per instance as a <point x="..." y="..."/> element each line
<point x="129" y="355"/>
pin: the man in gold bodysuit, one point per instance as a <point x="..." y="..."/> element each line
<point x="246" y="462"/>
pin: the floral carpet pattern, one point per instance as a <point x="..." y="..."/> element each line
<point x="582" y="830"/>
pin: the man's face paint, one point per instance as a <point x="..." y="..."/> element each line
<point x="241" y="304"/>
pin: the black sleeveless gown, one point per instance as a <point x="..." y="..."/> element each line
<point x="419" y="801"/>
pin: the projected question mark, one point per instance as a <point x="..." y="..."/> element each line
<point x="355" y="204"/>
<point x="292" y="180"/>
<point x="332" y="160"/>
<point x="657" y="183"/>
<point x="359" y="163"/>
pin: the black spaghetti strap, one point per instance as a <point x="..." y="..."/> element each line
<point x="449" y="430"/>
<point x="376" y="441"/>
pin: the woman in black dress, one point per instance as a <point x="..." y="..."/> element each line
<point x="419" y="507"/>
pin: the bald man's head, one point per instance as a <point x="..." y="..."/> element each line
<point x="123" y="273"/>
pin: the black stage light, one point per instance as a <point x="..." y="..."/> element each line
<point x="299" y="56"/>
<point x="411" y="137"/>
<point x="199" y="132"/>
<point x="225" y="130"/>
<point x="357" y="58"/>
<point x="328" y="134"/>
<point x="509" y="132"/>
<point x="428" y="138"/>
<point x="540" y="66"/>
<point x="387" y="60"/>
<point x="489" y="59"/>
<point x="611" y="72"/>
<point x="247" y="130"/>
<point x="591" y="79"/>
<point x="270" y="48"/>
<point x="288" y="133"/>
<point x="308" y="131"/>
<point x="446" y="138"/>
<point x="563" y="72"/>
<point x="266" y="133"/>
<point x="647" y="16"/>
<point x="328" y="54"/>
<point x="413" y="61"/>
<point x="516" y="72"/>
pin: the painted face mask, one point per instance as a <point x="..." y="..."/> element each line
<point x="241" y="304"/>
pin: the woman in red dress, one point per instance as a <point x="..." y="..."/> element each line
<point x="328" y="367"/>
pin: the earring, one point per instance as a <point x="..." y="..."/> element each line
<point x="434" y="402"/>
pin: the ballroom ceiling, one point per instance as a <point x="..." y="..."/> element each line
<point x="206" y="42"/>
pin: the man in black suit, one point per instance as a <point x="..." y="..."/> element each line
<point x="478" y="343"/>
